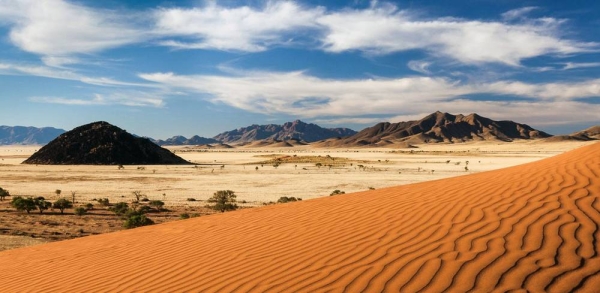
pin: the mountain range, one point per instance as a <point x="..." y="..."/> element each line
<point x="433" y="128"/>
<point x="438" y="127"/>
<point x="297" y="130"/>
<point x="21" y="135"/>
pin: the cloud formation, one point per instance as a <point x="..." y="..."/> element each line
<point x="127" y="99"/>
<point x="47" y="28"/>
<point x="302" y="95"/>
<point x="241" y="28"/>
<point x="57" y="29"/>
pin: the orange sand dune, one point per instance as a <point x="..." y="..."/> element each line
<point x="534" y="227"/>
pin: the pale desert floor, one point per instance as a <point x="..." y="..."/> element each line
<point x="528" y="228"/>
<point x="175" y="184"/>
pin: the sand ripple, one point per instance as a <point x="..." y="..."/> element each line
<point x="530" y="228"/>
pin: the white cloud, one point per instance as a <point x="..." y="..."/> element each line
<point x="63" y="73"/>
<point x="572" y="65"/>
<point x="136" y="100"/>
<point x="240" y="28"/>
<point x="381" y="30"/>
<point x="547" y="91"/>
<point x="301" y="95"/>
<point x="58" y="29"/>
<point x="419" y="66"/>
<point x="518" y="13"/>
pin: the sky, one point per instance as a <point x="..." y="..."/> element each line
<point x="165" y="68"/>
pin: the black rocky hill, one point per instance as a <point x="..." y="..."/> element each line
<point x="101" y="143"/>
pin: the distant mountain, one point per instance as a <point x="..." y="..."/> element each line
<point x="182" y="140"/>
<point x="592" y="133"/>
<point x="297" y="130"/>
<point x="28" y="135"/>
<point x="438" y="127"/>
<point x="101" y="143"/>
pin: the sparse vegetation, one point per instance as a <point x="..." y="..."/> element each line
<point x="80" y="211"/>
<point x="120" y="208"/>
<point x="336" y="192"/>
<point x="3" y="193"/>
<point x="184" y="216"/>
<point x="138" y="195"/>
<point x="23" y="204"/>
<point x="41" y="204"/>
<point x="103" y="201"/>
<point x="285" y="199"/>
<point x="89" y="206"/>
<point x="136" y="219"/>
<point x="191" y="199"/>
<point x="223" y="200"/>
<point x="62" y="204"/>
<point x="157" y="204"/>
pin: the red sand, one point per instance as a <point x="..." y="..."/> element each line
<point x="532" y="227"/>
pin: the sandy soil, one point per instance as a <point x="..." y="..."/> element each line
<point x="529" y="228"/>
<point x="235" y="169"/>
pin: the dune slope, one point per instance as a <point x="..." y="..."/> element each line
<point x="533" y="226"/>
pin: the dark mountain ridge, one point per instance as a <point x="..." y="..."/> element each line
<point x="440" y="127"/>
<point x="297" y="130"/>
<point x="101" y="143"/>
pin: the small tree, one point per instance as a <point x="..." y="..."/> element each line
<point x="23" y="204"/>
<point x="80" y="211"/>
<point x="138" y="195"/>
<point x="41" y="204"/>
<point x="3" y="193"/>
<point x="157" y="204"/>
<point x="224" y="200"/>
<point x="62" y="204"/>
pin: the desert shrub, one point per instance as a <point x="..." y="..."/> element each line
<point x="103" y="201"/>
<point x="224" y="200"/>
<point x="191" y="199"/>
<point x="62" y="204"/>
<point x="145" y="199"/>
<point x="144" y="209"/>
<point x="23" y="204"/>
<point x="157" y="204"/>
<point x="285" y="199"/>
<point x="80" y="211"/>
<point x="371" y="188"/>
<point x="184" y="216"/>
<point x="41" y="204"/>
<point x="195" y="215"/>
<point x="3" y="193"/>
<point x="138" y="195"/>
<point x="89" y="206"/>
<point x="136" y="219"/>
<point x="120" y="208"/>
<point x="336" y="192"/>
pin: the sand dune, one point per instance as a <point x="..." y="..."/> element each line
<point x="533" y="226"/>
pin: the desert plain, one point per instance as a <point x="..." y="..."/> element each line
<point x="524" y="217"/>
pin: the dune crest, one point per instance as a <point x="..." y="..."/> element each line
<point x="533" y="226"/>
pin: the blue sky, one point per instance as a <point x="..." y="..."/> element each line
<point x="164" y="68"/>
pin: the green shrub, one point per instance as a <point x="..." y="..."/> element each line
<point x="336" y="192"/>
<point x="89" y="206"/>
<point x="3" y="193"/>
<point x="80" y="211"/>
<point x="103" y="202"/>
<point x="23" y="204"/>
<point x="137" y="220"/>
<point x="285" y="199"/>
<point x="157" y="204"/>
<point x="62" y="204"/>
<point x="184" y="216"/>
<point x="224" y="200"/>
<point x="120" y="208"/>
<point x="191" y="199"/>
<point x="41" y="204"/>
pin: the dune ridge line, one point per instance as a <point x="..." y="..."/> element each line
<point x="533" y="227"/>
